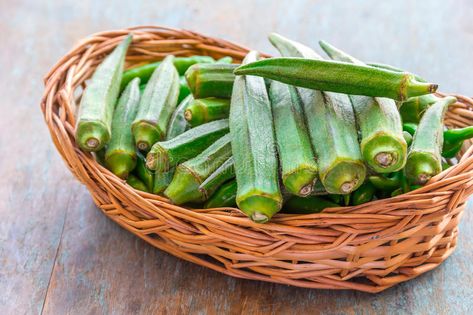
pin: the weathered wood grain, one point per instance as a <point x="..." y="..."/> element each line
<point x="60" y="255"/>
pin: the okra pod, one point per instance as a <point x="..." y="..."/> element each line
<point x="453" y="140"/>
<point x="144" y="72"/>
<point x="412" y="110"/>
<point x="156" y="106"/>
<point x="226" y="59"/>
<point x="136" y="183"/>
<point x="341" y="77"/>
<point x="307" y="205"/>
<point x="297" y="160"/>
<point x="393" y="68"/>
<point x="407" y="137"/>
<point x="93" y="128"/>
<point x="211" y="80"/>
<point x="410" y="128"/>
<point x="225" y="196"/>
<point x="256" y="165"/>
<point x="120" y="155"/>
<point x="144" y="174"/>
<point x="167" y="154"/>
<point x="201" y="111"/>
<point x="363" y="194"/>
<point x="424" y="160"/>
<point x="189" y="175"/>
<point x="184" y="90"/>
<point x="222" y="174"/>
<point x="177" y="125"/>
<point x="382" y="144"/>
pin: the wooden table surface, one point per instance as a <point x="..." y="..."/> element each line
<point x="60" y="255"/>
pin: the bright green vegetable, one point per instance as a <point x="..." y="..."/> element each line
<point x="386" y="182"/>
<point x="136" y="183"/>
<point x="307" y="205"/>
<point x="424" y="159"/>
<point x="332" y="130"/>
<point x="382" y="143"/>
<point x="298" y="166"/>
<point x="156" y="106"/>
<point x="184" y="90"/>
<point x="225" y="196"/>
<point x="252" y="133"/>
<point x="407" y="137"/>
<point x="167" y="154"/>
<point x="226" y="59"/>
<point x="397" y="192"/>
<point x="393" y="68"/>
<point x="338" y="77"/>
<point x="201" y="111"/>
<point x="144" y="72"/>
<point x="120" y="155"/>
<point x="177" y="125"/>
<point x="211" y="80"/>
<point x="412" y="110"/>
<point x="93" y="129"/>
<point x="453" y="140"/>
<point x="222" y="174"/>
<point x="363" y="194"/>
<point x="189" y="175"/>
<point x="144" y="174"/>
<point x="410" y="128"/>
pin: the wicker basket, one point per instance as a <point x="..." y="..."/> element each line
<point x="369" y="247"/>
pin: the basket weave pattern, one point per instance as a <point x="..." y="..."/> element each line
<point x="368" y="247"/>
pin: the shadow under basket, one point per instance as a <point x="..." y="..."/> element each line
<point x="369" y="247"/>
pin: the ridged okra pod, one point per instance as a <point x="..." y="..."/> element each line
<point x="297" y="160"/>
<point x="189" y="175"/>
<point x="225" y="196"/>
<point x="143" y="173"/>
<point x="203" y="110"/>
<point x="222" y="174"/>
<point x="120" y="155"/>
<point x="167" y="154"/>
<point x="453" y="140"/>
<point x="256" y="165"/>
<point x="424" y="160"/>
<point x="156" y="106"/>
<point x="136" y="183"/>
<point x="340" y="77"/>
<point x="211" y="80"/>
<point x="94" y="122"/>
<point x="382" y="144"/>
<point x="331" y="124"/>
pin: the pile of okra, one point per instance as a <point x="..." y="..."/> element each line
<point x="295" y="134"/>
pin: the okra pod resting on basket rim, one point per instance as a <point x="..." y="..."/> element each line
<point x="338" y="77"/>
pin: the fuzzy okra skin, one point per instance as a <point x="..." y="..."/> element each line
<point x="225" y="196"/>
<point x="156" y="106"/>
<point x="93" y="128"/>
<point x="340" y="77"/>
<point x="167" y="154"/>
<point x="393" y="68"/>
<point x="144" y="72"/>
<point x="136" y="183"/>
<point x="412" y="110"/>
<point x="382" y="144"/>
<point x="331" y="125"/>
<point x="211" y="80"/>
<point x="203" y="110"/>
<point x="298" y="167"/>
<point x="189" y="175"/>
<point x="424" y="159"/>
<point x="177" y="125"/>
<point x="223" y="173"/>
<point x="253" y="146"/>
<point x="120" y="155"/>
<point x="144" y="174"/>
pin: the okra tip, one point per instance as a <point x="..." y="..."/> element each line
<point x="92" y="136"/>
<point x="120" y="164"/>
<point x="413" y="87"/>
<point x="384" y="153"/>
<point x="259" y="208"/>
<point x="145" y="135"/>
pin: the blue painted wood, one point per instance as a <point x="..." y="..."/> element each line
<point x="60" y="255"/>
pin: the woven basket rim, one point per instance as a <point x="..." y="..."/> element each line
<point x="108" y="191"/>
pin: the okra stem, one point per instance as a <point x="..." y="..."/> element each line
<point x="338" y="77"/>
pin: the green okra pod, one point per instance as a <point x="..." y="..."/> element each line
<point x="120" y="155"/>
<point x="144" y="72"/>
<point x="382" y="144"/>
<point x="184" y="90"/>
<point x="93" y="128"/>
<point x="298" y="167"/>
<point x="167" y="154"/>
<point x="363" y="194"/>
<point x="136" y="183"/>
<point x="226" y="59"/>
<point x="412" y="110"/>
<point x="332" y="130"/>
<point x="189" y="175"/>
<point x="225" y="196"/>
<point x="143" y="173"/>
<point x="453" y="140"/>
<point x="386" y="182"/>
<point x="256" y="165"/>
<point x="211" y="80"/>
<point x="338" y="77"/>
<point x="424" y="160"/>
<point x="393" y="68"/>
<point x="307" y="205"/>
<point x="203" y="110"/>
<point x="222" y="174"/>
<point x="156" y="106"/>
<point x="407" y="137"/>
